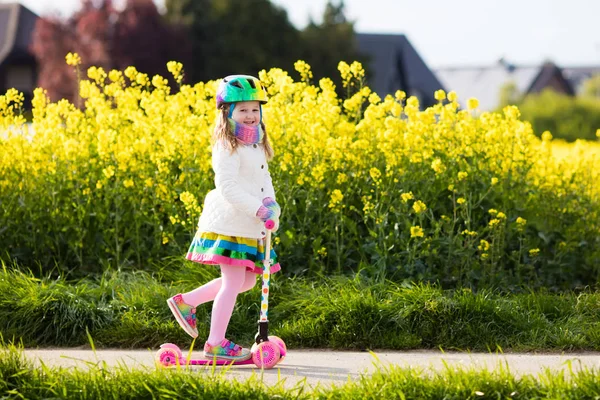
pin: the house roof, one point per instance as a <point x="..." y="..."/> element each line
<point x="577" y="75"/>
<point x="16" y="28"/>
<point x="485" y="82"/>
<point x="396" y="65"/>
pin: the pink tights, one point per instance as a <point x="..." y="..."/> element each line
<point x="224" y="291"/>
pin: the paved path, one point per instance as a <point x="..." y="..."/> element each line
<point x="327" y="367"/>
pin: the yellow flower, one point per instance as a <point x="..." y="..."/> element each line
<point x="467" y="232"/>
<point x="493" y="211"/>
<point x="159" y="82"/>
<point x="304" y="69"/>
<point x="438" y="166"/>
<point x="501" y="215"/>
<point x="494" y="222"/>
<point x="546" y="136"/>
<point x="494" y="181"/>
<point x="521" y="222"/>
<point x="374" y="98"/>
<point x="342" y="178"/>
<point x="128" y="183"/>
<point x="142" y="79"/>
<point x="534" y="252"/>
<point x="461" y="200"/>
<point x="452" y="96"/>
<point x="400" y="95"/>
<point x="484" y="245"/>
<point x="336" y="199"/>
<point x="419" y="206"/>
<point x="109" y="171"/>
<point x="406" y="197"/>
<point x="175" y="68"/>
<point x="451" y="188"/>
<point x="115" y="75"/>
<point x="131" y="72"/>
<point x="472" y="103"/>
<point x="416" y="231"/>
<point x="73" y="59"/>
<point x="462" y="175"/>
<point x="322" y="252"/>
<point x="440" y="95"/>
<point x="375" y="174"/>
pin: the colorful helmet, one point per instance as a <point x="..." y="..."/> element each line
<point x="234" y="88"/>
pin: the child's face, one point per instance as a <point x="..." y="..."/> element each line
<point x="246" y="112"/>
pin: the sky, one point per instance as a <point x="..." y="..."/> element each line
<point x="455" y="33"/>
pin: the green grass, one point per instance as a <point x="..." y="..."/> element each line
<point x="20" y="379"/>
<point x="128" y="310"/>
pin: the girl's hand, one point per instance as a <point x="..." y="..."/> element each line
<point x="271" y="204"/>
<point x="266" y="213"/>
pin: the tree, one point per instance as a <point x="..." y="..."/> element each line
<point x="330" y="42"/>
<point x="236" y="36"/>
<point x="51" y="41"/>
<point x="194" y="20"/>
<point x="591" y="87"/>
<point x="509" y="94"/>
<point x="143" y="38"/>
<point x="104" y="37"/>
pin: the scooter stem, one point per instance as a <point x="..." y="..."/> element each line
<point x="263" y="322"/>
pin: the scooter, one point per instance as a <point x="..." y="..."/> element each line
<point x="267" y="351"/>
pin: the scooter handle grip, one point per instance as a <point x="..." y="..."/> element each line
<point x="270" y="224"/>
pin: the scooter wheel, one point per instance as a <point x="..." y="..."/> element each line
<point x="167" y="357"/>
<point x="266" y="354"/>
<point x="282" y="347"/>
<point x="172" y="346"/>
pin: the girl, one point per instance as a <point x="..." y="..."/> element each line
<point x="231" y="229"/>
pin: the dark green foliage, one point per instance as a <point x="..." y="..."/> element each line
<point x="565" y="117"/>
<point x="129" y="310"/>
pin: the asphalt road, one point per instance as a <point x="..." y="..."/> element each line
<point x="326" y="367"/>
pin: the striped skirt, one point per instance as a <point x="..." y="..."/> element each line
<point x="214" y="249"/>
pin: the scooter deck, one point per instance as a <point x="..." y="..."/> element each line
<point x="206" y="361"/>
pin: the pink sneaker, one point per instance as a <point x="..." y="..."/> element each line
<point x="184" y="314"/>
<point x="226" y="351"/>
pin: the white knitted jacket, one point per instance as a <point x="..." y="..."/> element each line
<point x="242" y="180"/>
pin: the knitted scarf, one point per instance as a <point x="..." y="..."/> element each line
<point x="247" y="134"/>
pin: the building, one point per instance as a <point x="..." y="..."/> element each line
<point x="578" y="75"/>
<point x="18" y="66"/>
<point x="394" y="64"/>
<point x="486" y="82"/>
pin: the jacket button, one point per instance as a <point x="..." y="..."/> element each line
<point x="255" y="146"/>
<point x="262" y="189"/>
<point x="263" y="233"/>
<point x="262" y="166"/>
